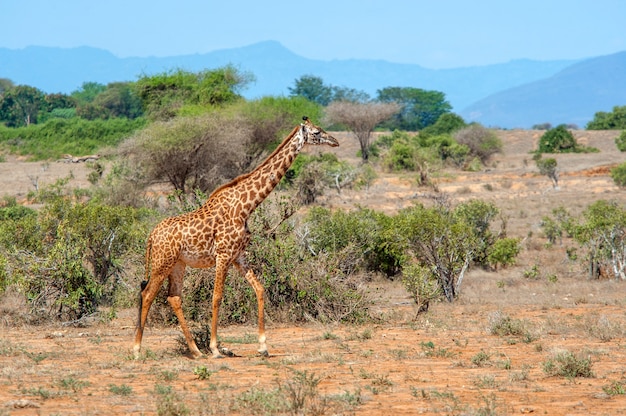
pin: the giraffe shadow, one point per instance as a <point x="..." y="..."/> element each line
<point x="202" y="337"/>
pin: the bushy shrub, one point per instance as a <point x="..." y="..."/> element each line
<point x="482" y="142"/>
<point x="557" y="140"/>
<point x="66" y="259"/>
<point x="618" y="174"/>
<point x="560" y="140"/>
<point x="421" y="284"/>
<point x="447" y="123"/>
<point x="503" y="252"/>
<point x="312" y="174"/>
<point x="362" y="236"/>
<point x="620" y="141"/>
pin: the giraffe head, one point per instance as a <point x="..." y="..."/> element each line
<point x="312" y="134"/>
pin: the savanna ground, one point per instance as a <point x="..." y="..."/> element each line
<point x="535" y="338"/>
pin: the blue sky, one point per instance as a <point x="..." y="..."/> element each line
<point x="434" y="33"/>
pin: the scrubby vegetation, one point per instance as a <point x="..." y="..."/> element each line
<point x="191" y="132"/>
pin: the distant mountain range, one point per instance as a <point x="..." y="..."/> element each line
<point x="515" y="94"/>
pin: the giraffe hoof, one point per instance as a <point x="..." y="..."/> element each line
<point x="264" y="354"/>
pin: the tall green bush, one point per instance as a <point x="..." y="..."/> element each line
<point x="67" y="257"/>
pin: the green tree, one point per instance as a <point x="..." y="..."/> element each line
<point x="615" y="120"/>
<point x="443" y="243"/>
<point x="88" y="92"/>
<point x="20" y="105"/>
<point x="117" y="100"/>
<point x="313" y="89"/>
<point x="163" y="95"/>
<point x="350" y="94"/>
<point x="420" y="108"/>
<point x="602" y="232"/>
<point x="66" y="257"/>
<point x="5" y="84"/>
<point x="503" y="252"/>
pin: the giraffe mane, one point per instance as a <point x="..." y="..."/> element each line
<point x="246" y="175"/>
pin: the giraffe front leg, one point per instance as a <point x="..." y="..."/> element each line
<point x="176" y="304"/>
<point x="174" y="299"/>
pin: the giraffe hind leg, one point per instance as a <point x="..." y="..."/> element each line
<point x="259" y="290"/>
<point x="149" y="290"/>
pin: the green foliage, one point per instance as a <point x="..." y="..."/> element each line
<point x="361" y="237"/>
<point x="441" y="241"/>
<point x="557" y="140"/>
<point x="602" y="232"/>
<point x="21" y="105"/>
<point x="503" y="252"/>
<point x="163" y="95"/>
<point x="561" y="140"/>
<point x="419" y="153"/>
<point x="620" y="141"/>
<point x="117" y="100"/>
<point x="548" y="167"/>
<point x="88" y="92"/>
<point x="66" y="258"/>
<point x="312" y="88"/>
<point x="447" y="123"/>
<point x="272" y="118"/>
<point x="566" y="364"/>
<point x="421" y="284"/>
<point x="445" y="242"/>
<point x="615" y="120"/>
<point x="479" y="215"/>
<point x="420" y="108"/>
<point x="72" y="136"/>
<point x="618" y="174"/>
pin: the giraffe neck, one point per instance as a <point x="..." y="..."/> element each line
<point x="250" y="189"/>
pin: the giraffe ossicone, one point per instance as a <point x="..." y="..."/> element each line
<point x="216" y="234"/>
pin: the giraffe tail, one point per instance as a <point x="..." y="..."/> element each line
<point x="144" y="283"/>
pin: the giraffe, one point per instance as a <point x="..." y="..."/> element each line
<point x="216" y="234"/>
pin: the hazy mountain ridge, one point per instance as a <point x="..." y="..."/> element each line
<point x="571" y="96"/>
<point x="276" y="68"/>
